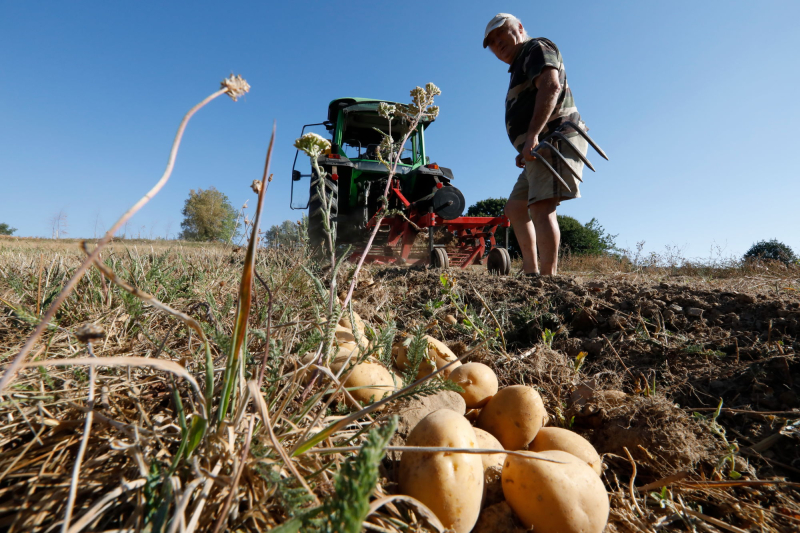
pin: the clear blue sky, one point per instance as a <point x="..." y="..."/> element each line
<point x="695" y="103"/>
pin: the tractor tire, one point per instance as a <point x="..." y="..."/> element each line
<point x="439" y="259"/>
<point x="317" y="239"/>
<point x="498" y="262"/>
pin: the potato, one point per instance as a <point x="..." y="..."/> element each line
<point x="514" y="415"/>
<point x="567" y="441"/>
<point x="438" y="354"/>
<point x="450" y="484"/>
<point x="345" y="334"/>
<point x="487" y="440"/>
<point x="361" y="327"/>
<point x="374" y="381"/>
<point x="567" y="498"/>
<point x="478" y="381"/>
<point x="345" y="351"/>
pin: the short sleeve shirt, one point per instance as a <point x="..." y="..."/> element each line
<point x="533" y="56"/>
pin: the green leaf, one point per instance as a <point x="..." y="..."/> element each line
<point x="196" y="432"/>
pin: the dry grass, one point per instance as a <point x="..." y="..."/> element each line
<point x="242" y="475"/>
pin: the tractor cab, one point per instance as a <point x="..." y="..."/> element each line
<point x="420" y="194"/>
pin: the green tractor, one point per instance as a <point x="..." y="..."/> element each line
<point x="421" y="196"/>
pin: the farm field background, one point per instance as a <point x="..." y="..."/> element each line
<point x="637" y="358"/>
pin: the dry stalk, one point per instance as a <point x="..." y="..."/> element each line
<point x="87" y="429"/>
<point x="235" y="88"/>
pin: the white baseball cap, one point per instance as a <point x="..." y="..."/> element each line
<point x="495" y="23"/>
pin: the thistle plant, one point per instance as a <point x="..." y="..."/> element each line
<point x="420" y="108"/>
<point x="314" y="145"/>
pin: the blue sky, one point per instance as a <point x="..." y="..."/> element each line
<point x="693" y="101"/>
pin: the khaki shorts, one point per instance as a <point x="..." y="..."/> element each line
<point x="536" y="183"/>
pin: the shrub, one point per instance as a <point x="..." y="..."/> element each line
<point x="5" y="229"/>
<point x="208" y="216"/>
<point x="584" y="239"/>
<point x="576" y="238"/>
<point x="774" y="250"/>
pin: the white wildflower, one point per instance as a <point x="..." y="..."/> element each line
<point x="312" y="144"/>
<point x="432" y="90"/>
<point x="386" y="110"/>
<point x="236" y="85"/>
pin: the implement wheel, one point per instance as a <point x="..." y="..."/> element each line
<point x="439" y="258"/>
<point x="499" y="262"/>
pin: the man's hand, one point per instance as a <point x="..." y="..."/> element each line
<point x="530" y="144"/>
<point x="520" y="161"/>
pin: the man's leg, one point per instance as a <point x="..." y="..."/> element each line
<point x="517" y="213"/>
<point x="548" y="236"/>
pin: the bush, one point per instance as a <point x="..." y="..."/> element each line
<point x="208" y="216"/>
<point x="774" y="250"/>
<point x="576" y="238"/>
<point x="584" y="239"/>
<point x="5" y="229"/>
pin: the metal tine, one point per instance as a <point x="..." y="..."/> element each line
<point x="562" y="158"/>
<point x="539" y="157"/>
<point x="574" y="148"/>
<point x="585" y="136"/>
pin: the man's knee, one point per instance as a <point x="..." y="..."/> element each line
<point x="543" y="210"/>
<point x="515" y="209"/>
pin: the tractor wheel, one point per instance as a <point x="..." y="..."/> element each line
<point x="498" y="262"/>
<point x="439" y="258"/>
<point x="316" y="229"/>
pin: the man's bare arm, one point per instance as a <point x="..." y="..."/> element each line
<point x="548" y="90"/>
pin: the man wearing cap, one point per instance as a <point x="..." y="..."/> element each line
<point x="538" y="101"/>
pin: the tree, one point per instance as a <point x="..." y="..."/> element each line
<point x="208" y="216"/>
<point x="5" y="229"/>
<point x="584" y="239"/>
<point x="288" y="233"/>
<point x="576" y="238"/>
<point x="774" y="250"/>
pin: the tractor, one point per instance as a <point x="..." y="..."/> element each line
<point x="421" y="199"/>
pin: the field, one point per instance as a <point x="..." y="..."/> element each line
<point x="685" y="378"/>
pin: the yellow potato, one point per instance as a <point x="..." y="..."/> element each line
<point x="478" y="381"/>
<point x="487" y="440"/>
<point x="450" y="484"/>
<point x="438" y="356"/>
<point x="345" y="334"/>
<point x="373" y="382"/>
<point x="545" y="496"/>
<point x="514" y="415"/>
<point x="567" y="441"/>
<point x="346" y="351"/>
<point x="360" y="325"/>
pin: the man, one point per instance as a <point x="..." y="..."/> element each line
<point x="538" y="101"/>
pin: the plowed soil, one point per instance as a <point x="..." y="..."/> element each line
<point x="639" y="365"/>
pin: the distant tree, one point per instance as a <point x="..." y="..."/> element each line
<point x="577" y="238"/>
<point x="5" y="229"/>
<point x="208" y="216"/>
<point x="774" y="249"/>
<point x="584" y="239"/>
<point x="288" y="233"/>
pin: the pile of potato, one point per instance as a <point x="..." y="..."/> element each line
<point x="564" y="494"/>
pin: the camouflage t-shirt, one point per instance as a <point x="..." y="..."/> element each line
<point x="533" y="56"/>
